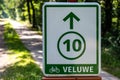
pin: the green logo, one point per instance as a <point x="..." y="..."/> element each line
<point x="71" y="45"/>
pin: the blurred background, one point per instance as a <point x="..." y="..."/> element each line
<point x="30" y="12"/>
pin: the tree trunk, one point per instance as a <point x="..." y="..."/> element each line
<point x="28" y="8"/>
<point x="33" y="16"/>
<point x="108" y="17"/>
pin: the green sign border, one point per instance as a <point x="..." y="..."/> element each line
<point x="47" y="66"/>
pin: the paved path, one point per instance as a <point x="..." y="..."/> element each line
<point x="31" y="39"/>
<point x="4" y="59"/>
<point x="2" y="46"/>
<point x="33" y="42"/>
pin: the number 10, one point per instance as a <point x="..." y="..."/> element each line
<point x="76" y="45"/>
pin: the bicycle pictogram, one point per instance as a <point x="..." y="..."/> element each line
<point x="54" y="70"/>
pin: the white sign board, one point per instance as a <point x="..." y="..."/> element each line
<point x="71" y="39"/>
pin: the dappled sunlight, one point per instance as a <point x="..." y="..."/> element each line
<point x="40" y="51"/>
<point x="24" y="34"/>
<point x="23" y="62"/>
<point x="19" y="57"/>
<point x="1" y="50"/>
<point x="30" y="37"/>
<point x="32" y="41"/>
<point x="15" y="24"/>
<point x="23" y="66"/>
<point x="35" y="44"/>
<point x="4" y="60"/>
<point x="38" y="58"/>
<point x="18" y="54"/>
<point x="3" y="21"/>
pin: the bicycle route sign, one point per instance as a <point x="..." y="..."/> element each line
<point x="71" y="39"/>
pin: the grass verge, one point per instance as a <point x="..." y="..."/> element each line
<point x="23" y="66"/>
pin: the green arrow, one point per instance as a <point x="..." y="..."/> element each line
<point x="72" y="16"/>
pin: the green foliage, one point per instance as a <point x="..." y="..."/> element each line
<point x="23" y="66"/>
<point x="28" y="72"/>
<point x="111" y="51"/>
<point x="110" y="61"/>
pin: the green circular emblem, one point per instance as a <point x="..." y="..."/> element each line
<point x="71" y="45"/>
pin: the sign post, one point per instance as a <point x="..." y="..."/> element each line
<point x="71" y="43"/>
